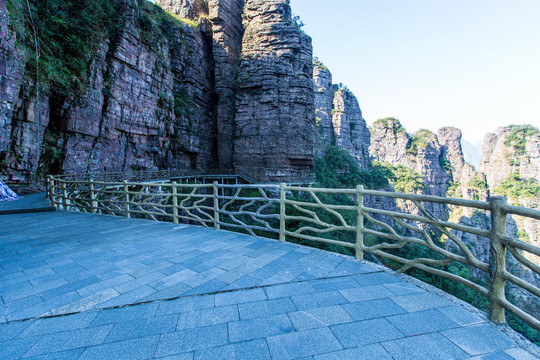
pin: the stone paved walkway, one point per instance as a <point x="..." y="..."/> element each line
<point x="77" y="286"/>
<point x="27" y="203"/>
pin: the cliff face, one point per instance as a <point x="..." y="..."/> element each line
<point x="275" y="118"/>
<point x="350" y="129"/>
<point x="510" y="150"/>
<point x="339" y="118"/>
<point x="145" y="107"/>
<point x="162" y="94"/>
<point x="324" y="99"/>
<point x="11" y="76"/>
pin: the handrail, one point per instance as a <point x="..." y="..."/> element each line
<point x="293" y="212"/>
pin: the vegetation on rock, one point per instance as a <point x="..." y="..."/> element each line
<point x="517" y="138"/>
<point x="420" y="140"/>
<point x="68" y="34"/>
<point x="392" y="124"/>
<point x="338" y="169"/>
<point x="514" y="187"/>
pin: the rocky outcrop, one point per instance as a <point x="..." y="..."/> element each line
<point x="350" y="129"/>
<point x="502" y="156"/>
<point x="227" y="34"/>
<point x="11" y="79"/>
<point x="467" y="183"/>
<point x="324" y="99"/>
<point x="164" y="94"/>
<point x="275" y="118"/>
<point x="145" y="107"/>
<point x="389" y="141"/>
<point x="190" y="9"/>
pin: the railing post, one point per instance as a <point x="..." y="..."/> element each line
<point x="216" y="204"/>
<point x="64" y="196"/>
<point x="175" y="201"/>
<point x="359" y="244"/>
<point x="497" y="259"/>
<point x="282" y="214"/>
<point x="92" y="196"/>
<point x="126" y="200"/>
<point x="51" y="191"/>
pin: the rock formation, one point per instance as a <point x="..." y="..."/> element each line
<point x="339" y="118"/>
<point x="350" y="129"/>
<point x="275" y="118"/>
<point x="324" y="99"/>
<point x="500" y="158"/>
<point x="190" y="9"/>
<point x="162" y="94"/>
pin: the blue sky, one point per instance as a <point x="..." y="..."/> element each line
<point x="472" y="64"/>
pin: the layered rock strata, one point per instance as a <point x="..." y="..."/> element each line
<point x="275" y="117"/>
<point x="165" y="95"/>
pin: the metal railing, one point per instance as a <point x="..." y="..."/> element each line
<point x="354" y="222"/>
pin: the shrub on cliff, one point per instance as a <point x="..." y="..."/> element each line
<point x="68" y="34"/>
<point x="517" y="137"/>
<point x="339" y="169"/>
<point x="514" y="187"/>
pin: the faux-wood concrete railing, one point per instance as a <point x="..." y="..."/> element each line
<point x="355" y="220"/>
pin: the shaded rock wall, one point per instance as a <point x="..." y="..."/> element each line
<point x="146" y="107"/>
<point x="275" y="118"/>
<point x="227" y="34"/>
<point x="174" y="96"/>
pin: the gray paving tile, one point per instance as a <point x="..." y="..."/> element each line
<point x="287" y="290"/>
<point x="10" y="331"/>
<point x="192" y="339"/>
<point x="206" y="317"/>
<point x="302" y="344"/>
<point x="369" y="352"/>
<point x="499" y="355"/>
<point x="479" y="339"/>
<point x="520" y="354"/>
<point x="140" y="328"/>
<point x="144" y="311"/>
<point x="265" y="308"/>
<point x="403" y="288"/>
<point x="422" y="322"/>
<point x="378" y="278"/>
<point x="58" y="324"/>
<point x="184" y="356"/>
<point x="334" y="284"/>
<point x="421" y="301"/>
<point x="318" y="299"/>
<point x="14" y="349"/>
<point x="366" y="293"/>
<point x="240" y="297"/>
<point x="206" y="288"/>
<point x="250" y="350"/>
<point x="424" y="347"/>
<point x="134" y="349"/>
<point x="460" y="315"/>
<point x="244" y="330"/>
<point x="373" y="309"/>
<point x="62" y="355"/>
<point x="365" y="332"/>
<point x="185" y="304"/>
<point x="68" y="340"/>
<point x="319" y="317"/>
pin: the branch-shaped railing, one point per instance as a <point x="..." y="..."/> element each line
<point x="347" y="218"/>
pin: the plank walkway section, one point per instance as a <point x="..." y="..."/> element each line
<point x="79" y="286"/>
